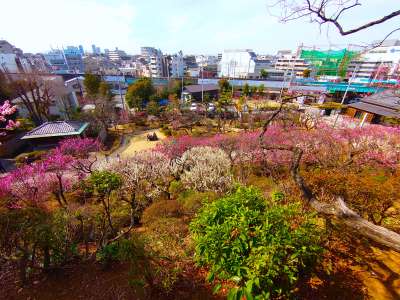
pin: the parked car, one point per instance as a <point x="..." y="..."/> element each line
<point x="211" y="107"/>
<point x="193" y="107"/>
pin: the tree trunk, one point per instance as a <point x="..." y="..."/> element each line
<point x="46" y="258"/>
<point x="61" y="190"/>
<point x="341" y="212"/>
<point x="22" y="265"/>
<point x="132" y="204"/>
<point x="107" y="213"/>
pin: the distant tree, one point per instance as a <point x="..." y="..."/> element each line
<point x="207" y="98"/>
<point x="224" y="85"/>
<point x="261" y="89"/>
<point x="246" y="90"/>
<point x="175" y="87"/>
<point x="92" y="84"/>
<point x="306" y="73"/>
<point x="263" y="73"/>
<point x="139" y="92"/>
<point x="164" y="93"/>
<point x="36" y="95"/>
<point x="103" y="183"/>
<point x="253" y="90"/>
<point x="104" y="91"/>
<point x="152" y="107"/>
<point x="104" y="107"/>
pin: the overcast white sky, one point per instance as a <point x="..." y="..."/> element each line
<point x="194" y="26"/>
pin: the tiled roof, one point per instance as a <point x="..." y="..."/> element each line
<point x="196" y="88"/>
<point x="386" y="103"/>
<point x="57" y="128"/>
<point x="376" y="109"/>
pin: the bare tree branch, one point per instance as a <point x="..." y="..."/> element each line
<point x="319" y="12"/>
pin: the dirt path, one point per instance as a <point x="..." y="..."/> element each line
<point x="139" y="142"/>
<point x="381" y="274"/>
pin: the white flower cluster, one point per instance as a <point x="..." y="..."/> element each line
<point x="206" y="168"/>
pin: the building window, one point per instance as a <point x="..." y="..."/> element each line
<point x="358" y="114"/>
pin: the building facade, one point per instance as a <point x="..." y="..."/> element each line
<point x="237" y="64"/>
<point x="73" y="58"/>
<point x="12" y="59"/>
<point x="379" y="63"/>
<point x="289" y="63"/>
<point x="116" y="55"/>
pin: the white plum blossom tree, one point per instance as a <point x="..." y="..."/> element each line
<point x="206" y="169"/>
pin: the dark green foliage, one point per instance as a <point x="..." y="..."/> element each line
<point x="260" y="245"/>
<point x="207" y="98"/>
<point x="246" y="90"/>
<point x="92" y="84"/>
<point x="103" y="182"/>
<point x="253" y="90"/>
<point x="34" y="237"/>
<point x="263" y="73"/>
<point x="153" y="108"/>
<point x="139" y="92"/>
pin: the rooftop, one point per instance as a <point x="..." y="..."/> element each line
<point x="386" y="103"/>
<point x="196" y="88"/>
<point x="56" y="128"/>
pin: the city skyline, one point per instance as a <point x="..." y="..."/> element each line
<point x="185" y="25"/>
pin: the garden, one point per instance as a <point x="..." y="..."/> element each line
<point x="282" y="209"/>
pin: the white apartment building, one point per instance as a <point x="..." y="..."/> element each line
<point x="237" y="64"/>
<point x="8" y="63"/>
<point x="156" y="66"/>
<point x="116" y="54"/>
<point x="176" y="66"/>
<point x="289" y="62"/>
<point x="12" y="59"/>
<point x="381" y="62"/>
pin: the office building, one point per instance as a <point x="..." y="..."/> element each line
<point x="73" y="58"/>
<point x="56" y="60"/>
<point x="96" y="50"/>
<point x="81" y="50"/>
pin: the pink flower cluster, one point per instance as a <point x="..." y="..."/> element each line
<point x="7" y="110"/>
<point x="324" y="146"/>
<point x="31" y="184"/>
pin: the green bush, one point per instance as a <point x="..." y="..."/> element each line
<point x="260" y="245"/>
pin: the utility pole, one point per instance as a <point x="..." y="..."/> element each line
<point x="202" y="80"/>
<point x="353" y="75"/>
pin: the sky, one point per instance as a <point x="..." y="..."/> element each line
<point x="193" y="26"/>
